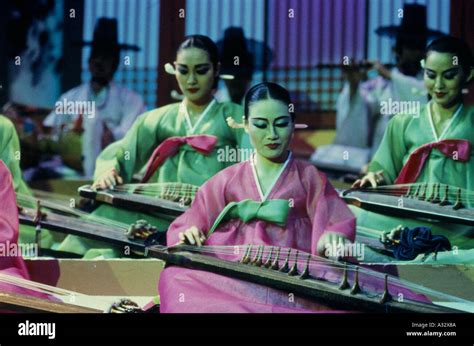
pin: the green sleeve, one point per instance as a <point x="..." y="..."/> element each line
<point x="10" y="154"/>
<point x="132" y="152"/>
<point x="392" y="150"/>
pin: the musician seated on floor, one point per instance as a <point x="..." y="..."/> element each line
<point x="11" y="260"/>
<point x="179" y="142"/>
<point x="422" y="147"/>
<point x="434" y="145"/>
<point x="271" y="199"/>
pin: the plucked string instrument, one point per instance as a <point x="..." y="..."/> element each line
<point x="167" y="199"/>
<point x="418" y="200"/>
<point x="58" y="300"/>
<point x="55" y="216"/>
<point x="339" y="285"/>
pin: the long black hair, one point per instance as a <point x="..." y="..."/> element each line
<point x="265" y="91"/>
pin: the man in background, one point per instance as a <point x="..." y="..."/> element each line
<point x="102" y="112"/>
<point x="359" y="120"/>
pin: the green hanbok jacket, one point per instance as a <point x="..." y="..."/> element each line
<point x="130" y="154"/>
<point x="10" y="154"/>
<point x="405" y="134"/>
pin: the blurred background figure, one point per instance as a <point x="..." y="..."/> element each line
<point x="111" y="109"/>
<point x="360" y="119"/>
<point x="297" y="44"/>
<point x="359" y="102"/>
<point x="31" y="64"/>
<point x="237" y="61"/>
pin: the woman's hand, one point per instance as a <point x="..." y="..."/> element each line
<point x="192" y="236"/>
<point x="381" y="69"/>
<point x="330" y="242"/>
<point x="108" y="180"/>
<point x="374" y="179"/>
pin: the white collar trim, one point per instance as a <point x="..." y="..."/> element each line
<point x="433" y="129"/>
<point x="263" y="197"/>
<point x="192" y="128"/>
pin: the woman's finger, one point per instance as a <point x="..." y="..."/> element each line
<point x="112" y="180"/>
<point x="364" y="181"/>
<point x="372" y="181"/>
<point x="119" y="179"/>
<point x="196" y="234"/>
<point x="189" y="238"/>
<point x="106" y="182"/>
<point x="197" y="239"/>
<point x="181" y="238"/>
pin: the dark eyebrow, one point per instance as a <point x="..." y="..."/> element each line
<point x="265" y="119"/>
<point x="197" y="66"/>
<point x="448" y="70"/>
<point x="282" y="117"/>
<point x="202" y="65"/>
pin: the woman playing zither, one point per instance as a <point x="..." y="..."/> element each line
<point x="180" y="141"/>
<point x="432" y="146"/>
<point x="272" y="199"/>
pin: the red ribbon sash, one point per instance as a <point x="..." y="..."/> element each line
<point x="412" y="168"/>
<point x="170" y="147"/>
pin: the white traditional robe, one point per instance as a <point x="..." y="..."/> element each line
<point x="115" y="106"/>
<point x="359" y="122"/>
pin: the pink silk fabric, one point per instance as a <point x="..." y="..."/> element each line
<point x="412" y="168"/>
<point x="314" y="210"/>
<point x="169" y="147"/>
<point x="11" y="265"/>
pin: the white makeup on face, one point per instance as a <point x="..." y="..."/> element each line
<point x="270" y="128"/>
<point x="443" y="79"/>
<point x="195" y="74"/>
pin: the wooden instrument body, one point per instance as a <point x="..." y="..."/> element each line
<point x="407" y="206"/>
<point x="146" y="204"/>
<point x="313" y="288"/>
<point x="26" y="304"/>
<point x="80" y="227"/>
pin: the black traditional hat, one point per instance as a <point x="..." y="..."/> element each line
<point x="253" y="54"/>
<point x="106" y="38"/>
<point x="413" y="26"/>
<point x="235" y="45"/>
